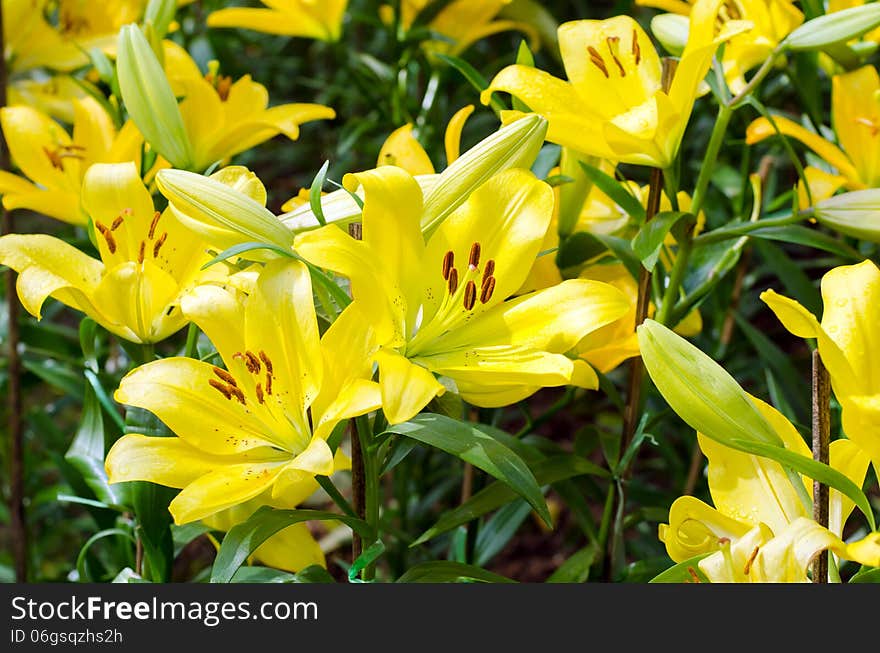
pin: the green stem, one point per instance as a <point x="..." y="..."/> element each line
<point x="371" y="483"/>
<point x="676" y="277"/>
<point x="715" y="141"/>
<point x="605" y="526"/>
<point x="192" y="339"/>
<point x="756" y="79"/>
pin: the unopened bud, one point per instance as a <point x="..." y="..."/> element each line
<point x="853" y="214"/>
<point x="837" y="27"/>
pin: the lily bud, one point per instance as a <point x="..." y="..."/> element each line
<point x="149" y="99"/>
<point x="226" y="209"/>
<point x="672" y="32"/>
<point x="515" y="145"/>
<point x="837" y="27"/>
<point x="159" y="14"/>
<point x="703" y="394"/>
<point x="854" y="214"/>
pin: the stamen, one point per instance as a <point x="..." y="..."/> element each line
<point x="226" y="376"/>
<point x="694" y="577"/>
<point x="219" y="387"/>
<point x="474" y="258"/>
<point x="636" y="50"/>
<point x="487" y="290"/>
<point x="266" y="362"/>
<point x="875" y="128"/>
<point x="448" y="261"/>
<point x="597" y="60"/>
<point x="117" y="223"/>
<point x="613" y="42"/>
<point x="470" y="294"/>
<point x="453" y="281"/>
<point x="260" y="397"/>
<point x="159" y="244"/>
<point x="489" y="270"/>
<point x="268" y="382"/>
<point x="153" y="224"/>
<point x="252" y="362"/>
<point x="141" y="252"/>
<point x="749" y="562"/>
<point x="238" y="394"/>
<point x="108" y="237"/>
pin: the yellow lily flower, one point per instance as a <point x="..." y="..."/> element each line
<point x="401" y="148"/>
<point x="759" y="529"/>
<point x="461" y="22"/>
<point x="314" y="19"/>
<point x="849" y="343"/>
<point x="253" y="432"/>
<point x="148" y="260"/>
<point x="772" y="21"/>
<point x="55" y="161"/>
<point x="613" y="105"/>
<point x="223" y="117"/>
<point x="442" y="306"/>
<point x="855" y="113"/>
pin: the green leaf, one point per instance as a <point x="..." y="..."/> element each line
<point x="616" y="191"/>
<point x="243" y="539"/>
<point x="791" y="274"/>
<point x="81" y="561"/>
<point x="497" y="531"/>
<point x="650" y="238"/>
<point x="365" y="559"/>
<point x="866" y="575"/>
<point x="241" y="248"/>
<point x="473" y="76"/>
<point x="447" y="571"/>
<point x="681" y="573"/>
<point x="810" y="237"/>
<point x="577" y="249"/>
<point x="497" y="494"/>
<point x="524" y="57"/>
<point x="86" y="452"/>
<point x="315" y="193"/>
<point x="577" y="568"/>
<point x="481" y="450"/>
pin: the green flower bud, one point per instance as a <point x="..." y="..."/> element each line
<point x="830" y="29"/>
<point x="149" y="99"/>
<point x="672" y="32"/>
<point x="853" y="214"/>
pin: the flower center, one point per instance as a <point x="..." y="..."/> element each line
<point x="221" y="84"/>
<point x="56" y="157"/>
<point x="468" y="278"/>
<point x="612" y="44"/>
<point x="107" y="232"/>
<point x="259" y="365"/>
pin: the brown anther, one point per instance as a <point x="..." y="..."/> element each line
<point x="474" y="258"/>
<point x="224" y="84"/>
<point x="452" y="281"/>
<point x="141" y="252"/>
<point x="54" y="158"/>
<point x="489" y="270"/>
<point x="266" y="362"/>
<point x="226" y="376"/>
<point x="158" y="245"/>
<point x="470" y="295"/>
<point x="108" y="237"/>
<point x="260" y="397"/>
<point x="238" y="394"/>
<point x="723" y="540"/>
<point x="448" y="260"/>
<point x="219" y="387"/>
<point x="694" y="577"/>
<point x="153" y="224"/>
<point x="867" y="122"/>
<point x="487" y="290"/>
<point x="117" y="223"/>
<point x="268" y="382"/>
<point x="238" y="355"/>
<point x="749" y="562"/>
<point x="613" y="42"/>
<point x="636" y="50"/>
<point x="100" y="226"/>
<point x="597" y="60"/>
<point x="252" y="362"/>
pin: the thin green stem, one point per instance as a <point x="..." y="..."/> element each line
<point x="676" y="277"/>
<point x="371" y="483"/>
<point x="756" y="79"/>
<point x="744" y="229"/>
<point x="715" y="141"/>
<point x="192" y="339"/>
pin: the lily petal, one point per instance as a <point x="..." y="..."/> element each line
<point x="401" y="149"/>
<point x="406" y="387"/>
<point x="696" y="527"/>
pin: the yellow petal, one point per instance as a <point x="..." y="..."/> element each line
<point x="406" y="387"/>
<point x="856" y="114"/>
<point x="401" y="149"/>
<point x="735" y="563"/>
<point x="217" y="311"/>
<point x="224" y="487"/>
<point x="452" y="138"/>
<point x="166" y="461"/>
<point x="861" y="421"/>
<point x="50" y="267"/>
<point x="93" y="129"/>
<point x="848" y="458"/>
<point x="61" y="205"/>
<point x="242" y="180"/>
<point x="753" y="489"/>
<point x="41" y="148"/>
<point x="822" y="186"/>
<point x="291" y="549"/>
<point x="696" y="527"/>
<point x="762" y="128"/>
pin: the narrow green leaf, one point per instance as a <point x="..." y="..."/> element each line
<point x="447" y="571"/>
<point x="368" y="557"/>
<point x="473" y="76"/>
<point x="315" y="193"/>
<point x="481" y="450"/>
<point x="801" y="235"/>
<point x="577" y="568"/>
<point x="497" y="494"/>
<point x="243" y="539"/>
<point x="616" y="191"/>
<point x="241" y="248"/>
<point x="524" y="57"/>
<point x="866" y="575"/>
<point x="497" y="531"/>
<point x="650" y="238"/>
